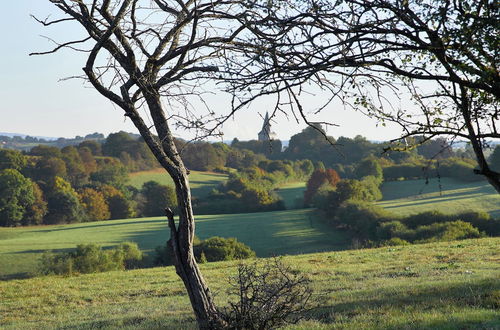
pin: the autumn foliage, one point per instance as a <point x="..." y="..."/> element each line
<point x="319" y="178"/>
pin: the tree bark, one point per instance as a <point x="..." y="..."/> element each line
<point x="182" y="235"/>
<point x="484" y="169"/>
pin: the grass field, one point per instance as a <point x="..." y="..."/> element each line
<point x="446" y="195"/>
<point x="269" y="233"/>
<point x="448" y="285"/>
<point x="201" y="182"/>
<point x="292" y="194"/>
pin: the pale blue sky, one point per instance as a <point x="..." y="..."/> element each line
<point x="35" y="102"/>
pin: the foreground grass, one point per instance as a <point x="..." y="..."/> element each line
<point x="268" y="233"/>
<point x="447" y="285"/>
<point x="446" y="195"/>
<point x="201" y="182"/>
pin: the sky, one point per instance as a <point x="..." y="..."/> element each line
<point x="35" y="101"/>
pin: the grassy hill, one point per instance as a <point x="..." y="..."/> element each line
<point x="446" y="195"/>
<point x="448" y="285"/>
<point x="201" y="182"/>
<point x="292" y="194"/>
<point x="268" y="233"/>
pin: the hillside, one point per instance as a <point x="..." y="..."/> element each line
<point x="446" y="195"/>
<point x="448" y="285"/>
<point x="201" y="182"/>
<point x="268" y="233"/>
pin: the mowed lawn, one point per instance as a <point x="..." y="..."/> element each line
<point x="268" y="233"/>
<point x="446" y="195"/>
<point x="201" y="182"/>
<point x="447" y="285"/>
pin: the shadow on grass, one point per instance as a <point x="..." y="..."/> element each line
<point x="44" y="250"/>
<point x="100" y="224"/>
<point x="430" y="298"/>
<point x="267" y="233"/>
<point x="136" y="322"/>
<point x="16" y="276"/>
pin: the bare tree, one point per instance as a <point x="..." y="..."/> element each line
<point x="442" y="55"/>
<point x="149" y="58"/>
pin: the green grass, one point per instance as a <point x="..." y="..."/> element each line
<point x="292" y="194"/>
<point x="269" y="233"/>
<point x="447" y="285"/>
<point x="446" y="195"/>
<point x="201" y="182"/>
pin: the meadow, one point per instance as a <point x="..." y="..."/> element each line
<point x="447" y="285"/>
<point x="446" y="195"/>
<point x="292" y="194"/>
<point x="268" y="233"/>
<point x="201" y="182"/>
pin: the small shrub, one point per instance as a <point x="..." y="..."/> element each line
<point x="446" y="231"/>
<point x="219" y="249"/>
<point x="90" y="258"/>
<point x="211" y="249"/>
<point x="392" y="229"/>
<point x="268" y="297"/>
<point x="131" y="255"/>
<point x="395" y="241"/>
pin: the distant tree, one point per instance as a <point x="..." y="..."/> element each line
<point x="306" y="167"/>
<point x="88" y="160"/>
<point x="111" y="173"/>
<point x="268" y="148"/>
<point x="356" y="190"/>
<point x="368" y="166"/>
<point x="437" y="148"/>
<point x="120" y="206"/>
<point x="157" y="197"/>
<point x="12" y="159"/>
<point x="94" y="204"/>
<point x="47" y="168"/>
<point x="76" y="171"/>
<point x="94" y="147"/>
<point x="46" y="151"/>
<point x="116" y="143"/>
<point x="63" y="203"/>
<point x="319" y="178"/>
<point x="16" y="197"/>
<point x="94" y="136"/>
<point x="36" y="211"/>
<point x="311" y="144"/>
<point x="201" y="156"/>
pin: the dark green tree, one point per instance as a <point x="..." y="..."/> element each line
<point x="12" y="159"/>
<point x="63" y="203"/>
<point x="367" y="167"/>
<point x="157" y="197"/>
<point x="16" y="197"/>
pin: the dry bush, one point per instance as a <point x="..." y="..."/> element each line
<point x="268" y="296"/>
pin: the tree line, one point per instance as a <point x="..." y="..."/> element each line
<point x="88" y="182"/>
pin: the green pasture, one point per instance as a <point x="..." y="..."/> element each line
<point x="447" y="285"/>
<point x="292" y="194"/>
<point x="446" y="195"/>
<point x="268" y="233"/>
<point x="201" y="182"/>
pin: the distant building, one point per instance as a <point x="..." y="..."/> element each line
<point x="266" y="133"/>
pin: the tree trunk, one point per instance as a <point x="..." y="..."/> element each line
<point x="184" y="261"/>
<point x="484" y="169"/>
<point x="182" y="235"/>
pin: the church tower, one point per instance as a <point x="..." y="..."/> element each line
<point x="266" y="134"/>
